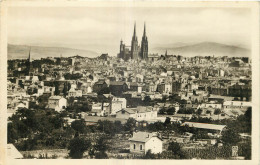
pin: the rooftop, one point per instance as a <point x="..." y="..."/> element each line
<point x="143" y="136"/>
<point x="204" y="125"/>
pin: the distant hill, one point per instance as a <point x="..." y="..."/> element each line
<point x="37" y="52"/>
<point x="205" y="49"/>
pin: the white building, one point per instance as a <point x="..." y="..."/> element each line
<point x="141" y="142"/>
<point x="117" y="104"/>
<point x="97" y="109"/>
<point x="58" y="103"/>
<point x="74" y="93"/>
<point x="236" y="105"/>
<point x="210" y="104"/>
<point x="140" y="113"/>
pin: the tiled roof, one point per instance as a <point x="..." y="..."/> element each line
<point x="55" y="97"/>
<point x="143" y="136"/>
<point x="117" y="83"/>
<point x="204" y="125"/>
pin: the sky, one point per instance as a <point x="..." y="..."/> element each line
<point x="100" y="29"/>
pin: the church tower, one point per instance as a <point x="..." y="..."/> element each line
<point x="134" y="45"/>
<point x="29" y="57"/>
<point x="144" y="46"/>
<point x="29" y="64"/>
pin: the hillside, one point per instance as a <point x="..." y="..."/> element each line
<point x="205" y="49"/>
<point x="37" y="52"/>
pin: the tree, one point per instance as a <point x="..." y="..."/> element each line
<point x="167" y="121"/>
<point x="11" y="133"/>
<point x="65" y="89"/>
<point x="199" y="111"/>
<point x="79" y="125"/>
<point x="77" y="147"/>
<point x="105" y="90"/>
<point x="101" y="155"/>
<point x="90" y="77"/>
<point x="162" y="111"/>
<point x="101" y="145"/>
<point x="208" y="112"/>
<point x="106" y="126"/>
<point x="171" y="111"/>
<point x="217" y="112"/>
<point x="147" y="100"/>
<point x="57" y="91"/>
<point x="130" y="125"/>
<point x="230" y="136"/>
<point x="175" y="148"/>
<point x="118" y="126"/>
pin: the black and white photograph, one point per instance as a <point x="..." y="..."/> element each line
<point x="132" y="80"/>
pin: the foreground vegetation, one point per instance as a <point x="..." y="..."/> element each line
<point x="46" y="129"/>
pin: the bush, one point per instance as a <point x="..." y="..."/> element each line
<point x="77" y="147"/>
<point x="101" y="155"/>
<point x="149" y="155"/>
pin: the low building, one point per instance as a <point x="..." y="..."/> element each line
<point x="141" y="142"/>
<point x="118" y="87"/>
<point x="58" y="103"/>
<point x="74" y="93"/>
<point x="236" y="105"/>
<point x="214" y="127"/>
<point x="117" y="104"/>
<point x="140" y="113"/>
<point x="101" y="84"/>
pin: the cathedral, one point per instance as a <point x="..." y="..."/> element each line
<point x="135" y="51"/>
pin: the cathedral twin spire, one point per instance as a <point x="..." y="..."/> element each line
<point x="144" y="33"/>
<point x="135" y="52"/>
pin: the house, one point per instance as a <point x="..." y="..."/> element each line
<point x="58" y="103"/>
<point x="117" y="104"/>
<point x="93" y="120"/>
<point x="236" y="105"/>
<point x="101" y="109"/>
<point x="97" y="109"/>
<point x="139" y="113"/>
<point x="164" y="87"/>
<point x="135" y="87"/>
<point x="141" y="142"/>
<point x="178" y="117"/>
<point x="106" y="109"/>
<point x="74" y="93"/>
<point x="126" y="113"/>
<point x="21" y="104"/>
<point x="118" y="87"/>
<point x="99" y="85"/>
<point x="211" y="104"/>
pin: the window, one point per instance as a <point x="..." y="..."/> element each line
<point x="141" y="147"/>
<point x="134" y="146"/>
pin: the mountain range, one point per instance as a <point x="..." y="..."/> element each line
<point x="184" y="49"/>
<point x="204" y="49"/>
<point x="37" y="52"/>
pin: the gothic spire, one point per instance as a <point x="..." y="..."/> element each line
<point x="134" y="30"/>
<point x="29" y="58"/>
<point x="144" y="30"/>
